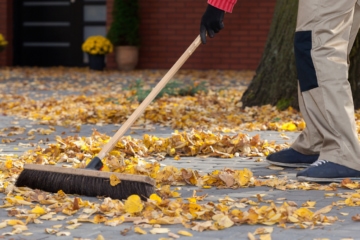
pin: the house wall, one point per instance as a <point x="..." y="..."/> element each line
<point x="6" y="31"/>
<point x="168" y="27"/>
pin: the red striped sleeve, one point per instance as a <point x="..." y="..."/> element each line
<point x="226" y="5"/>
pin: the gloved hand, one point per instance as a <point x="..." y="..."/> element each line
<point x="211" y="22"/>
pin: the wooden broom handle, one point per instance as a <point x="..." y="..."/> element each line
<point x="136" y="114"/>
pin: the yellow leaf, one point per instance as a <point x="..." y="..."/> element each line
<point x="133" y="204"/>
<point x="68" y="211"/>
<point x="265" y="237"/>
<point x="139" y="230"/>
<point x="15" y="222"/>
<point x="115" y="221"/>
<point x="99" y="218"/>
<point x="100" y="237"/>
<point x="263" y="230"/>
<point x="323" y="210"/>
<point x="289" y="126"/>
<point x="38" y="210"/>
<point x="114" y="180"/>
<point x="244" y="176"/>
<point x="304" y="213"/>
<point x="155" y="198"/>
<point x="309" y="204"/>
<point x="73" y="226"/>
<point x="184" y="233"/>
<point x="19" y="197"/>
<point x="8" y="164"/>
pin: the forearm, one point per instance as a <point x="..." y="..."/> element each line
<point x="226" y="5"/>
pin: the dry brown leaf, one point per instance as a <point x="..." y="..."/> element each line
<point x="251" y="236"/>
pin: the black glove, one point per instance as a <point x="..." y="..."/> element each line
<point x="211" y="22"/>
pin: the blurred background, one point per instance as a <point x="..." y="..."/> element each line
<point x="51" y="32"/>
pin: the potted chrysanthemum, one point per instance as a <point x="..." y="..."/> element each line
<point x="97" y="47"/>
<point x="3" y="42"/>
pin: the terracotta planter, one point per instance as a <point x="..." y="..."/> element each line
<point x="127" y="57"/>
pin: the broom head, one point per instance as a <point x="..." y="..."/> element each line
<point x="84" y="182"/>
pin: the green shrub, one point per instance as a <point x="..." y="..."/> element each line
<point x="124" y="29"/>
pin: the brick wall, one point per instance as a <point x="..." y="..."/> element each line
<point x="168" y="27"/>
<point x="6" y="31"/>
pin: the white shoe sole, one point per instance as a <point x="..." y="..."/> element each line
<point x="313" y="179"/>
<point x="293" y="165"/>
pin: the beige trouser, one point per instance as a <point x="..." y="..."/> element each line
<point x="325" y="33"/>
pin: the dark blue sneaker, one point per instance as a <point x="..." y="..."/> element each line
<point x="291" y="158"/>
<point x="325" y="171"/>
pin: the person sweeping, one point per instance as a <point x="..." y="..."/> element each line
<point x="325" y="32"/>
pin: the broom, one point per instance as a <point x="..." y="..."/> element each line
<point x="96" y="183"/>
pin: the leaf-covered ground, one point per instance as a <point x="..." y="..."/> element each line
<point x="208" y="122"/>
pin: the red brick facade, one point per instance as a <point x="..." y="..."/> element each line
<point x="168" y="27"/>
<point x="6" y="31"/>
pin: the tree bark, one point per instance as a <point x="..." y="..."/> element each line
<point x="354" y="72"/>
<point x="275" y="81"/>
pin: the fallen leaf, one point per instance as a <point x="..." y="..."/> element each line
<point x="3" y="224"/>
<point x="133" y="204"/>
<point x="184" y="233"/>
<point x="59" y="234"/>
<point x="323" y="210"/>
<point x="139" y="230"/>
<point x="173" y="235"/>
<point x="356" y="218"/>
<point x="125" y="231"/>
<point x="265" y="237"/>
<point x="99" y="237"/>
<point x="114" y="180"/>
<point x="251" y="236"/>
<point x="159" y="230"/>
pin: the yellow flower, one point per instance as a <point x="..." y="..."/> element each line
<point x="97" y="45"/>
<point x="3" y="42"/>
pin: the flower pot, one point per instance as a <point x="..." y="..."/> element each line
<point x="127" y="57"/>
<point x="96" y="62"/>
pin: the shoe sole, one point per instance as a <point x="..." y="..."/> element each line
<point x="313" y="179"/>
<point x="293" y="165"/>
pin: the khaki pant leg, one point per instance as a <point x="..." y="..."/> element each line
<point x="309" y="140"/>
<point x="321" y="47"/>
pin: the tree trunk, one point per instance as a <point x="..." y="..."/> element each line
<point x="354" y="72"/>
<point x="275" y="81"/>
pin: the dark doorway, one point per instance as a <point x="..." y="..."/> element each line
<point x="51" y="32"/>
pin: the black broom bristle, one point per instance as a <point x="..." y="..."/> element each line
<point x="82" y="185"/>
